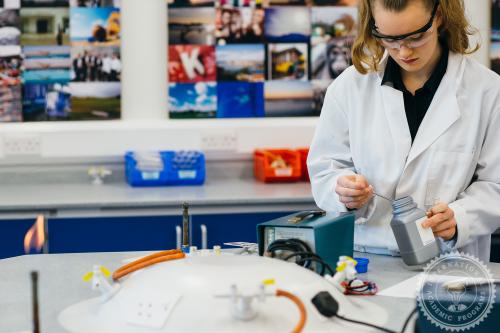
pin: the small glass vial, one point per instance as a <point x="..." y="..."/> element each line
<point x="417" y="245"/>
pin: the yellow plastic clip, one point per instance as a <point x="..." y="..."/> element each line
<point x="88" y="276"/>
<point x="105" y="271"/>
<point x="269" y="282"/>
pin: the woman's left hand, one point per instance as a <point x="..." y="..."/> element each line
<point x="441" y="219"/>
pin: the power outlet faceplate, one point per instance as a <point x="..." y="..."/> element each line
<point x="219" y="141"/>
<point x="22" y="145"/>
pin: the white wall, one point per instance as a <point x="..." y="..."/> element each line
<point x="144" y="97"/>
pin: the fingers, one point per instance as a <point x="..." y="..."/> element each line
<point x="349" y="192"/>
<point x="448" y="224"/>
<point x="441" y="219"/>
<point x="354" y="191"/>
<point x="438" y="218"/>
<point x="356" y="182"/>
<point x="357" y="204"/>
<point x="440" y="207"/>
<point x="446" y="234"/>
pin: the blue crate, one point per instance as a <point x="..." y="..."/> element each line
<point x="179" y="168"/>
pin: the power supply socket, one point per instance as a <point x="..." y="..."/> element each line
<point x="22" y="145"/>
<point x="219" y="141"/>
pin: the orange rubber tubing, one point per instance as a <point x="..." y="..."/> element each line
<point x="303" y="314"/>
<point x="147" y="261"/>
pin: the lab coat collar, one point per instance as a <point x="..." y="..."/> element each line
<point x="444" y="109"/>
<point x="442" y="112"/>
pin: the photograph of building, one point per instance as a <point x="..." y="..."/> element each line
<point x="45" y="26"/>
<point x="288" y="61"/>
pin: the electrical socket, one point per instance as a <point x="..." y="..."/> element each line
<point x="219" y="141"/>
<point x="22" y="145"/>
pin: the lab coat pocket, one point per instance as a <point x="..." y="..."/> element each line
<point x="449" y="175"/>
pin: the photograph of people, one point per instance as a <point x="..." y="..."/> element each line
<point x="96" y="64"/>
<point x="239" y="25"/>
<point x="415" y="116"/>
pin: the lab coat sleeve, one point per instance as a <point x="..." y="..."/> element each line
<point x="330" y="154"/>
<point x="477" y="209"/>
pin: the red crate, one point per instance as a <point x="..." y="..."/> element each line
<point x="303" y="163"/>
<point x="265" y="171"/>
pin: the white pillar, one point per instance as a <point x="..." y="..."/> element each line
<point x="479" y="14"/>
<point x="144" y="58"/>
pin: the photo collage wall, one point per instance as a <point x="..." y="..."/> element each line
<point x="60" y="60"/>
<point x="495" y="36"/>
<point x="254" y="58"/>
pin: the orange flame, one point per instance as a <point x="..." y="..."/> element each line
<point x="35" y="237"/>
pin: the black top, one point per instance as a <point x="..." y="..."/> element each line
<point x="416" y="106"/>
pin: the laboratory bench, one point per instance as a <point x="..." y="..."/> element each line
<point x="82" y="217"/>
<point x="61" y="284"/>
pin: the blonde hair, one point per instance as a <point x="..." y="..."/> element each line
<point x="454" y="30"/>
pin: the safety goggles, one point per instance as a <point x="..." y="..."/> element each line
<point x="412" y="40"/>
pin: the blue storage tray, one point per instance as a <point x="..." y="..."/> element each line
<point x="173" y="173"/>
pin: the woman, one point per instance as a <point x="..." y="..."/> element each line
<point x="414" y="116"/>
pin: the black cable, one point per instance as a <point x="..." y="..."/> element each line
<point x="308" y="257"/>
<point x="301" y="249"/>
<point x="408" y="319"/>
<point x="329" y="307"/>
<point x="366" y="324"/>
<point x="324" y="266"/>
<point x="301" y="255"/>
<point x="293" y="245"/>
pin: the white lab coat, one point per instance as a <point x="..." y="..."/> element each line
<point x="455" y="157"/>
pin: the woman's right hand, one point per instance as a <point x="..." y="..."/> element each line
<point x="354" y="191"/>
